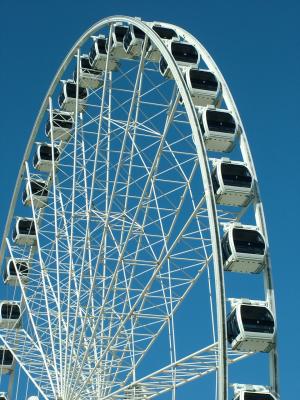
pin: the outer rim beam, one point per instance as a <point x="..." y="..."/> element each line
<point x="203" y="160"/>
<point x="258" y="205"/>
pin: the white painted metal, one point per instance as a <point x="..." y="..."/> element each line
<point x="11" y="278"/>
<point x="258" y="206"/>
<point x="248" y="341"/>
<point x="216" y="140"/>
<point x="99" y="61"/>
<point x="133" y="44"/>
<point x="117" y="50"/>
<point x="9" y="321"/>
<point x="24" y="238"/>
<point x="240" y="392"/>
<point x="42" y="163"/>
<point x="60" y="132"/>
<point x="202" y="97"/>
<point x="167" y="73"/>
<point x="243" y="262"/>
<point x="69" y="103"/>
<point x="6" y="360"/>
<point x="40" y="197"/>
<point x="153" y="53"/>
<point x="88" y="78"/>
<point x="231" y="195"/>
<point x="74" y="360"/>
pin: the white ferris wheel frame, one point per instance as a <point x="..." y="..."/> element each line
<point x="205" y="171"/>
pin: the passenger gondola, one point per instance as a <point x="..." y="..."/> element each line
<point x="6" y="360"/>
<point x="10" y="314"/>
<point x="219" y="129"/>
<point x="98" y="55"/>
<point x="24" y="232"/>
<point x="243" y="249"/>
<point x="38" y="189"/>
<point x="136" y="391"/>
<point x="166" y="35"/>
<point x="204" y="87"/>
<point x="62" y="124"/>
<point x="3" y="396"/>
<point x="43" y="157"/>
<point x="68" y="97"/>
<point x="117" y="50"/>
<point x="14" y="268"/>
<point x="133" y="41"/>
<point x="263" y="394"/>
<point x="232" y="182"/>
<point x="185" y="55"/>
<point x="251" y="327"/>
<point x="89" y="77"/>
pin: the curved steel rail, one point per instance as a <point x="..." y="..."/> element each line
<point x="258" y="205"/>
<point x="205" y="171"/>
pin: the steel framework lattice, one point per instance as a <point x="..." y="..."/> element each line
<point x="130" y="231"/>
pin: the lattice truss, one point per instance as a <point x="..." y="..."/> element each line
<point x="121" y="242"/>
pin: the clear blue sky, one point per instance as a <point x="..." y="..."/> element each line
<point x="256" y="45"/>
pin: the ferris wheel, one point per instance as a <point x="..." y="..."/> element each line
<point x="136" y="200"/>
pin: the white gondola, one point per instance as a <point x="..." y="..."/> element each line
<point x="135" y="392"/>
<point x="233" y="183"/>
<point x="251" y="327"/>
<point x="250" y="392"/>
<point x="33" y="398"/>
<point x="166" y="35"/>
<point x="98" y="55"/>
<point x="38" y="188"/>
<point x="185" y="55"/>
<point x="89" y="78"/>
<point x="10" y="314"/>
<point x="13" y="268"/>
<point x="117" y="50"/>
<point x="244" y="249"/>
<point x="204" y="87"/>
<point x="24" y="232"/>
<point x="6" y="360"/>
<point x="43" y="157"/>
<point x="3" y="396"/>
<point x="67" y="99"/>
<point x="62" y="124"/>
<point x="133" y="41"/>
<point x="219" y="128"/>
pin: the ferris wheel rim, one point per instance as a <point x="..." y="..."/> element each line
<point x="220" y="292"/>
<point x="259" y="209"/>
<point x="223" y="384"/>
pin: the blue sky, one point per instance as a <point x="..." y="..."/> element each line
<point x="256" y="46"/>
